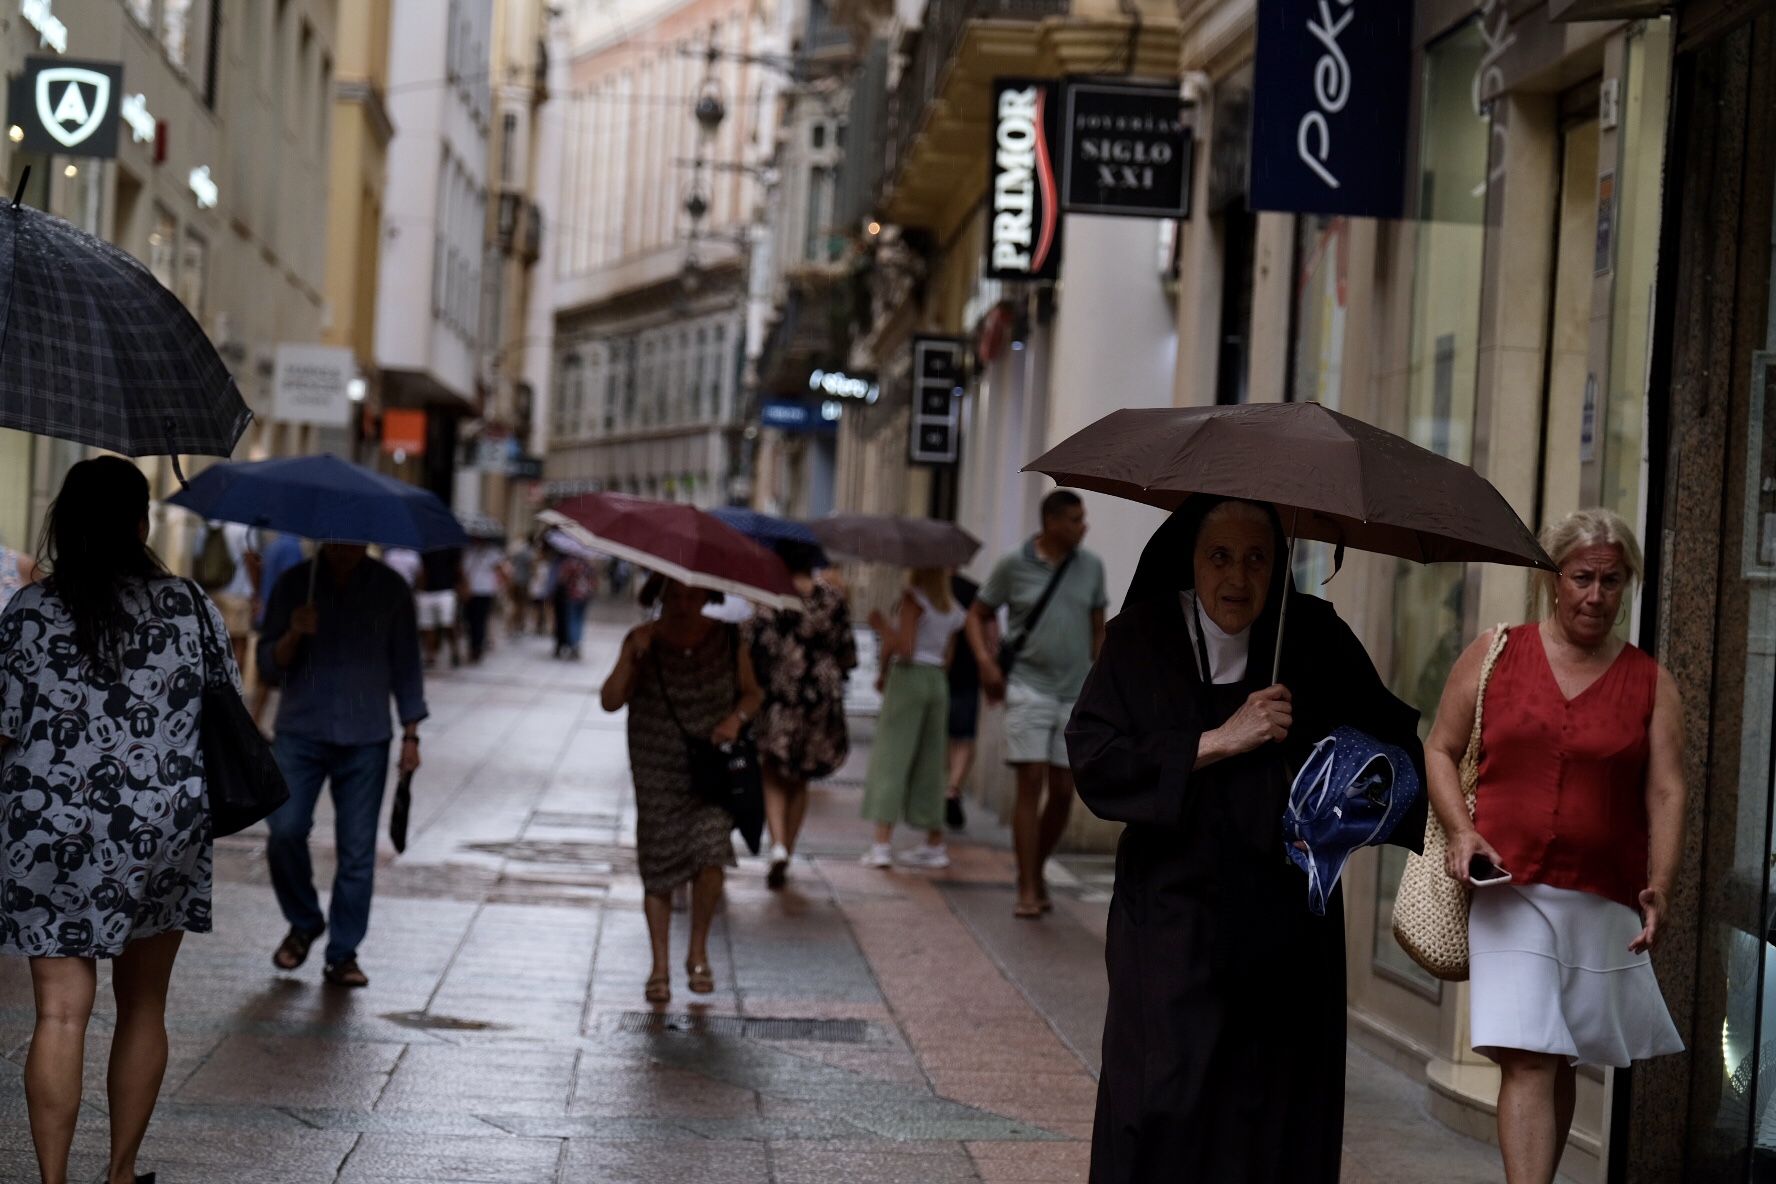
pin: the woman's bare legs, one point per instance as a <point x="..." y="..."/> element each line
<point x="786" y="804"/>
<point x="706" y="892"/>
<point x="1533" y="1114"/>
<point x="961" y="761"/>
<point x="64" y="990"/>
<point x="139" y="1047"/>
<point x="658" y="907"/>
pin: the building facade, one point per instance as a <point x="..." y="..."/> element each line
<point x="429" y="312"/>
<point x="218" y="185"/>
<point x="652" y="255"/>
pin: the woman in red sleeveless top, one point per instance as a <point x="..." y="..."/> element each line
<point x="1581" y="801"/>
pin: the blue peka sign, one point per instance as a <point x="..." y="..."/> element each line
<point x="794" y="416"/>
<point x="1331" y="94"/>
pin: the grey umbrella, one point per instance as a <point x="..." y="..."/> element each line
<point x="903" y="542"/>
<point x="96" y="350"/>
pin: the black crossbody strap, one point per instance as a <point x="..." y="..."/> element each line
<point x="1048" y="592"/>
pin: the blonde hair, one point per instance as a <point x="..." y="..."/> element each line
<point x="935" y="583"/>
<point x="1595" y="527"/>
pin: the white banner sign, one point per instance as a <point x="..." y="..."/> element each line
<point x="313" y="384"/>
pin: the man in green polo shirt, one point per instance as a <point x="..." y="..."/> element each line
<point x="1053" y="656"/>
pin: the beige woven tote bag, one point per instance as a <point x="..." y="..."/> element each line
<point x="1431" y="910"/>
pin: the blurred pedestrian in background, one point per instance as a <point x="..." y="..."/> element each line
<point x="907" y="758"/>
<point x="542" y="592"/>
<point x="107" y="849"/>
<point x="680" y="676"/>
<point x="521" y="564"/>
<point x="406" y="563"/>
<point x="226" y="567"/>
<point x="484" y="575"/>
<point x="575" y="582"/>
<point x="16" y="570"/>
<point x="1052" y="589"/>
<point x="802" y="658"/>
<point x="339" y="659"/>
<point x="440" y="583"/>
<point x="965" y="694"/>
<point x="1581" y="802"/>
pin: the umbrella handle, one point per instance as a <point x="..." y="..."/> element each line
<point x="1276" y="666"/>
<point x="314" y="569"/>
<point x="167" y="423"/>
<point x="18" y="195"/>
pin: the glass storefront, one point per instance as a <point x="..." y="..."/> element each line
<point x="1441" y="389"/>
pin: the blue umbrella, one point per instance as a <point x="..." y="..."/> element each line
<point x="1352" y="792"/>
<point x="326" y="498"/>
<point x="769" y="531"/>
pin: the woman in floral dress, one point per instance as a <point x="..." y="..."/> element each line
<point x="802" y="659"/>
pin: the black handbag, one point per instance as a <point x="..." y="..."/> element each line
<point x="1011" y="647"/>
<point x="724" y="775"/>
<point x="242" y="781"/>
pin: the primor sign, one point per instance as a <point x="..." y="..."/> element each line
<point x="1023" y="209"/>
<point x="1129" y="149"/>
<point x="1331" y="96"/>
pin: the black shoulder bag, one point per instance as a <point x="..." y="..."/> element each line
<point x="242" y="780"/>
<point x="723" y="775"/>
<point x="1011" y="647"/>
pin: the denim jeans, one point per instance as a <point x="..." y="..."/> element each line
<point x="359" y="773"/>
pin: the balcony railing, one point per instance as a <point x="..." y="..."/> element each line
<point x="945" y="23"/>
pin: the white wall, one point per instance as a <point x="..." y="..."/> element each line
<point x="437" y="186"/>
<point x="1115" y="345"/>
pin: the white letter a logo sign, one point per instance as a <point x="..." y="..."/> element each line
<point x="72" y="103"/>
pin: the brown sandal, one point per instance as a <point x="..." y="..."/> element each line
<point x="346" y="974"/>
<point x="292" y="952"/>
<point x="701" y="978"/>
<point x="659" y="989"/>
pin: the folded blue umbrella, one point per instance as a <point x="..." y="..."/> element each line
<point x="326" y="498"/>
<point x="1352" y="792"/>
<point x="768" y="531"/>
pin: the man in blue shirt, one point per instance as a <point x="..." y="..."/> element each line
<point x="339" y="660"/>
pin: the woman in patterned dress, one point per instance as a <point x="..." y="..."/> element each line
<point x="681" y="675"/>
<point x="105" y="845"/>
<point x="803" y="656"/>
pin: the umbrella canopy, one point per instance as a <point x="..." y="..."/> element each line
<point x="678" y="541"/>
<point x="323" y="497"/>
<point x="1331" y="477"/>
<point x="567" y="544"/>
<point x="769" y="531"/>
<point x="482" y="527"/>
<point x="904" y="542"/>
<point x="98" y="351"/>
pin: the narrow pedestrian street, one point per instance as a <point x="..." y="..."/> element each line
<point x="868" y="1026"/>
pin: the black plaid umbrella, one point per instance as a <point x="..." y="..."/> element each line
<point x="94" y="349"/>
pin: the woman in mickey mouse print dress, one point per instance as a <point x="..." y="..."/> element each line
<point x="105" y="846"/>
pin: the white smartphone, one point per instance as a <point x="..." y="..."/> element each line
<point x="1484" y="873"/>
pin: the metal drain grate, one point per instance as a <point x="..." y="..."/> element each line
<point x="565" y="819"/>
<point x="817" y="1031"/>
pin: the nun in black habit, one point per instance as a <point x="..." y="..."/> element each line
<point x="1224" y="1040"/>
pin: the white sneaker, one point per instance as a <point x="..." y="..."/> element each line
<point x="879" y="855"/>
<point x="926" y="855"/>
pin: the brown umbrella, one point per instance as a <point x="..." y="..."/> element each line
<point x="1331" y="477"/>
<point x="904" y="542"/>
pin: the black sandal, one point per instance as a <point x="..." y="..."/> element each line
<point x="292" y="952"/>
<point x="345" y="974"/>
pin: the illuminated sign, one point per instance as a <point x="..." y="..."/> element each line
<point x="204" y="189"/>
<point x="67" y="107"/>
<point x="38" y="15"/>
<point x="844" y="386"/>
<point x="142" y="123"/>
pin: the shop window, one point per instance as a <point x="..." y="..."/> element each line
<point x="162" y="242"/>
<point x="194" y="260"/>
<point x="1239" y="228"/>
<point x="1442" y="378"/>
<point x="1316" y="342"/>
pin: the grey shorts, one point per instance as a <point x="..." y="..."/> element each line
<point x="1035" y="727"/>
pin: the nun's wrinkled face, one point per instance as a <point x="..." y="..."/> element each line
<point x="1235" y="553"/>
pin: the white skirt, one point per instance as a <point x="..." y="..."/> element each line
<point x="1551" y="972"/>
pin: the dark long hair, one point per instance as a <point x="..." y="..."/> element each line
<point x="92" y="544"/>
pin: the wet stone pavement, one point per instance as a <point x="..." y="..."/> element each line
<point x="867" y="1026"/>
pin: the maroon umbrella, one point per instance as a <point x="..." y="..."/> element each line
<point x="680" y="542"/>
<point x="1331" y="477"/>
